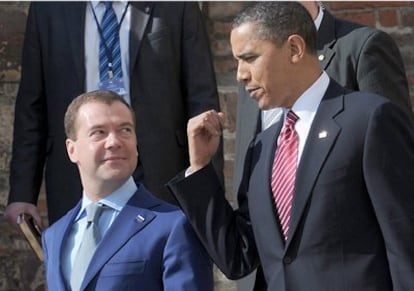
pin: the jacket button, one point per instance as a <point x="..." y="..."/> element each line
<point x="287" y="260"/>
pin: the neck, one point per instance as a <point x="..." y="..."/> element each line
<point x="102" y="189"/>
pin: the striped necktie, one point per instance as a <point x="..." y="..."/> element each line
<point x="109" y="48"/>
<point x="284" y="171"/>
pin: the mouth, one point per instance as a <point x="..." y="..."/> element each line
<point x="253" y="91"/>
<point x="113" y="159"/>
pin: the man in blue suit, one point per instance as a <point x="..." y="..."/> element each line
<point x="146" y="243"/>
<point x="326" y="197"/>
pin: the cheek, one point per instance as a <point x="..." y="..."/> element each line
<point x="91" y="153"/>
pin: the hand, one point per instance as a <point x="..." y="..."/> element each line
<point x="204" y="131"/>
<point x="13" y="210"/>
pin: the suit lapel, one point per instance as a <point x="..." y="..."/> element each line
<point x="75" y="31"/>
<point x="326" y="40"/>
<point x="140" y="14"/>
<point x="132" y="219"/>
<point x="270" y="156"/>
<point x="321" y="138"/>
<point x="61" y="237"/>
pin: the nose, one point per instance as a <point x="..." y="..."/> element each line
<point x="243" y="73"/>
<point x="112" y="141"/>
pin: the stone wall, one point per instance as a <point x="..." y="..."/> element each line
<point x="19" y="268"/>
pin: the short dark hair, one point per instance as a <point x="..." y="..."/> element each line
<point x="106" y="97"/>
<point x="276" y="21"/>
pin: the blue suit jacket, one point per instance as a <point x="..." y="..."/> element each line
<point x="159" y="252"/>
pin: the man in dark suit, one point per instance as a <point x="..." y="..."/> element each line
<point x="340" y="218"/>
<point x="358" y="57"/>
<point x="143" y="242"/>
<point x="168" y="77"/>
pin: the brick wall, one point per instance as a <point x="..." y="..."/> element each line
<point x="19" y="269"/>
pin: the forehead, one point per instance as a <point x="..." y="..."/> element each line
<point x="245" y="41"/>
<point x="243" y="33"/>
<point x="99" y="112"/>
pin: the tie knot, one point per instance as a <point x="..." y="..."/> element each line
<point x="291" y="118"/>
<point x="108" y="4"/>
<point x="93" y="211"/>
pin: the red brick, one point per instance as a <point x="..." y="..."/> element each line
<point x="388" y="18"/>
<point x="225" y="65"/>
<point x="224" y="10"/>
<point x="366" y="18"/>
<point x="407" y="17"/>
<point x="221" y="47"/>
<point x="346" y="5"/>
<point x="221" y="28"/>
<point x="228" y="103"/>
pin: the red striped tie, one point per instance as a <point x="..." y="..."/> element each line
<point x="284" y="171"/>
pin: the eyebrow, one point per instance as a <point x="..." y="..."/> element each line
<point x="244" y="56"/>
<point x="97" y="126"/>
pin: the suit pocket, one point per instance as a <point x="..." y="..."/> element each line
<point x="126" y="268"/>
<point x="333" y="176"/>
<point x="159" y="34"/>
<point x="160" y="42"/>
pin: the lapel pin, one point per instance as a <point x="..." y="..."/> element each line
<point x="323" y="134"/>
<point x="321" y="57"/>
<point x="140" y="218"/>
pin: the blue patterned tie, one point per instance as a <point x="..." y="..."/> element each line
<point x="109" y="48"/>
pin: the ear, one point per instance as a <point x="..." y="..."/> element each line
<point x="71" y="149"/>
<point x="297" y="47"/>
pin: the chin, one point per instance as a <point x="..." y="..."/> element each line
<point x="264" y="106"/>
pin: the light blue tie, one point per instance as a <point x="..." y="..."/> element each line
<point x="109" y="47"/>
<point x="87" y="247"/>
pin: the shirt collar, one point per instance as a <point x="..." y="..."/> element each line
<point x="318" y="19"/>
<point x="116" y="200"/>
<point x="121" y="3"/>
<point x="309" y="101"/>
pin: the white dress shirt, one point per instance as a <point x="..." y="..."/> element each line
<point x="305" y="108"/>
<point x="92" y="39"/>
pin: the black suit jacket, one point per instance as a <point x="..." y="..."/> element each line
<point x="171" y="80"/>
<point x="353" y="206"/>
<point x="356" y="56"/>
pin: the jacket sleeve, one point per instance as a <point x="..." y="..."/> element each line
<point x="187" y="265"/>
<point x="388" y="165"/>
<point x="226" y="233"/>
<point x="380" y="69"/>
<point x="30" y="123"/>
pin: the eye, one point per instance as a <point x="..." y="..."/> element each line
<point x="97" y="134"/>
<point x="126" y="131"/>
<point x="250" y="59"/>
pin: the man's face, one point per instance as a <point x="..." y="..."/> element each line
<point x="263" y="67"/>
<point x="105" y="148"/>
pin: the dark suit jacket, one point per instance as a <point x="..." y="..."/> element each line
<point x="353" y="205"/>
<point x="358" y="57"/>
<point x="158" y="252"/>
<point x="171" y="80"/>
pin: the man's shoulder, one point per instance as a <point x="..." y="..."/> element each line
<point x="351" y="31"/>
<point x="59" y="225"/>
